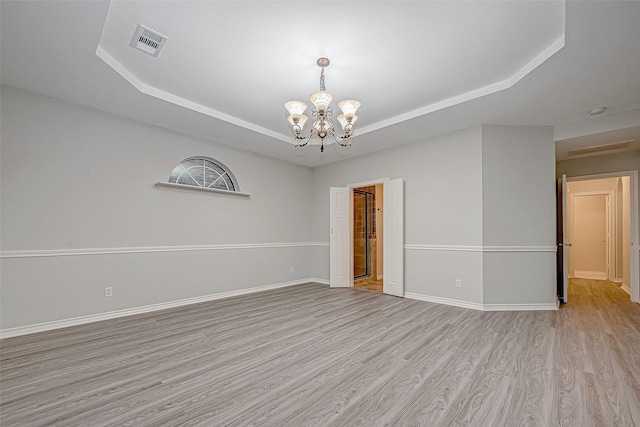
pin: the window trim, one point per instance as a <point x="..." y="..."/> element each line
<point x="184" y="187"/>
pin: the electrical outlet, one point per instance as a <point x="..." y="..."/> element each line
<point x="293" y="269"/>
<point x="108" y="291"/>
<point x="458" y="283"/>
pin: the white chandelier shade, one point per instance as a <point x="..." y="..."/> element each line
<point x="322" y="127"/>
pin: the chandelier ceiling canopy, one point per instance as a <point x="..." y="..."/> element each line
<point x="322" y="129"/>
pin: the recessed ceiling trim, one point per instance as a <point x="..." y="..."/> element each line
<point x="552" y="49"/>
<point x="174" y="99"/>
<point x="449" y="102"/>
<point x="498" y="86"/>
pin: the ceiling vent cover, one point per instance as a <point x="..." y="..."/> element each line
<point x="599" y="148"/>
<point x="148" y="41"/>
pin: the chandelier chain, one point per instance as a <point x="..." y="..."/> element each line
<point x="322" y="87"/>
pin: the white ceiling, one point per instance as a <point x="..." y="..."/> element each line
<point x="419" y="68"/>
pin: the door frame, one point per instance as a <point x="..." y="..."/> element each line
<point x="609" y="197"/>
<point x="634" y="253"/>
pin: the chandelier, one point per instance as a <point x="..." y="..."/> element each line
<point x="322" y="128"/>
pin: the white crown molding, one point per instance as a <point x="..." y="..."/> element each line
<point x="169" y="97"/>
<point x="494" y="87"/>
<point x="64" y="323"/>
<point x="148" y="249"/>
<point x="536" y="61"/>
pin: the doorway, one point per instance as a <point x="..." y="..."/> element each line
<point x="368" y="238"/>
<point x="589" y="232"/>
<point x="600" y="233"/>
<point x="341" y="254"/>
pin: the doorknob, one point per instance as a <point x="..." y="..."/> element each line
<point x="565" y="244"/>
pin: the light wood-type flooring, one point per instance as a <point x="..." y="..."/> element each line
<point x="368" y="284"/>
<point x="310" y="355"/>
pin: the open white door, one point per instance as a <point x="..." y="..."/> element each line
<point x="339" y="265"/>
<point x="393" y="219"/>
<point x="563" y="245"/>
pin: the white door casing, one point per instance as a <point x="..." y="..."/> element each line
<point x="340" y="272"/>
<point x="564" y="242"/>
<point x="393" y="217"/>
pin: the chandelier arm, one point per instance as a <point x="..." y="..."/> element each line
<point x="307" y="139"/>
<point x="346" y="140"/>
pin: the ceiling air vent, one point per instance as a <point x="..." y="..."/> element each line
<point x="599" y="148"/>
<point x="148" y="41"/>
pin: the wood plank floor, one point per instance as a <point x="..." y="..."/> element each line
<point x="310" y="355"/>
<point x="368" y="284"/>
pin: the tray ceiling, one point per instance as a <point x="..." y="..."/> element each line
<point x="420" y="68"/>
<point x="240" y="62"/>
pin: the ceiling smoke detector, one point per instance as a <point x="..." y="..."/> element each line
<point x="148" y="41"/>
<point x="597" y="111"/>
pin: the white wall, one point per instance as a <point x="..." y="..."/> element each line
<point x="77" y="181"/>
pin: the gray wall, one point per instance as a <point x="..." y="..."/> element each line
<point x="80" y="212"/>
<point x="443" y="207"/>
<point x="74" y="180"/>
<point x="466" y="192"/>
<point x="518" y="214"/>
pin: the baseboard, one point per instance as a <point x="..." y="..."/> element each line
<point x="316" y="280"/>
<point x="58" y="324"/>
<point x="484" y="307"/>
<point x="625" y="288"/>
<point x="586" y="274"/>
<point x="617" y="280"/>
<point x="445" y="301"/>
<point x="522" y="307"/>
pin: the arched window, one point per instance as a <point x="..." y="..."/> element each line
<point x="204" y="172"/>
